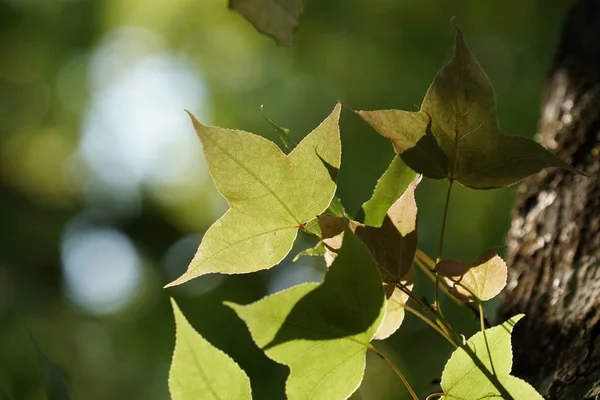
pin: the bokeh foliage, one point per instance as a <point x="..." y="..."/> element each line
<point x="371" y="55"/>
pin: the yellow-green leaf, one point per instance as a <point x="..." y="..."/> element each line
<point x="465" y="379"/>
<point x="270" y="195"/>
<point x="322" y="331"/>
<point x="394" y="309"/>
<point x="392" y="184"/>
<point x="483" y="279"/>
<point x="201" y="371"/>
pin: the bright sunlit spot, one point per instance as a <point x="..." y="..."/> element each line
<point x="136" y="132"/>
<point x="102" y="268"/>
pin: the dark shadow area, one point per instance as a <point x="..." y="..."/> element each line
<point x="393" y="252"/>
<point x="427" y="157"/>
<point x="333" y="171"/>
<point x="347" y="303"/>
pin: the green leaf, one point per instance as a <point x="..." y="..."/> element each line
<point x="322" y="331"/>
<point x="394" y="243"/>
<point x="464" y="379"/>
<point x="456" y="134"/>
<point x="270" y="195"/>
<point x="275" y="18"/>
<point x="201" y="371"/>
<point x="317" y="251"/>
<point x="394" y="309"/>
<point x="389" y="188"/>
<point x="483" y="279"/>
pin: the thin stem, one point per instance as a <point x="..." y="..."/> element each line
<point x="441" y="245"/>
<point x="426" y="259"/>
<point x="396" y="370"/>
<point x="481" y="317"/>
<point x="431" y="276"/>
<point x="429" y="322"/>
<point x="487" y="345"/>
<point x="438" y="321"/>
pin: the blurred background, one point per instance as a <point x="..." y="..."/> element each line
<point x="105" y="194"/>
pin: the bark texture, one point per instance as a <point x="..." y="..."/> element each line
<point x="554" y="239"/>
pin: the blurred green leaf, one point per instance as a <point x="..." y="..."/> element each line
<point x="389" y="188"/>
<point x="463" y="379"/>
<point x="322" y="331"/>
<point x="456" y="132"/>
<point x="277" y="18"/>
<point x="201" y="371"/>
<point x="270" y="195"/>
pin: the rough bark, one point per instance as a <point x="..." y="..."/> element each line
<point x="554" y="239"/>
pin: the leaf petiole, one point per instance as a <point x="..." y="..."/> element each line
<point x="396" y="370"/>
<point x="441" y="244"/>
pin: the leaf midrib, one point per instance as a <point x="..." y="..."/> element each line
<point x="249" y="171"/>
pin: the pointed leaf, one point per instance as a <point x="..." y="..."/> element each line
<point x="389" y="188"/>
<point x="463" y="379"/>
<point x="483" y="280"/>
<point x="456" y="132"/>
<point x="394" y="244"/>
<point x="322" y="331"/>
<point x="394" y="309"/>
<point x="269" y="194"/>
<point x="276" y="18"/>
<point x="201" y="371"/>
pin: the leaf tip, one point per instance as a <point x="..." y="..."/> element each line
<point x="182" y="279"/>
<point x="195" y="121"/>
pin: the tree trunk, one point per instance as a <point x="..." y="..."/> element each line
<point x="554" y="239"/>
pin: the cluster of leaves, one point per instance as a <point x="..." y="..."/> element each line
<point x="322" y="331"/>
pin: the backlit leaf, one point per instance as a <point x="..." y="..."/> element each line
<point x="452" y="268"/>
<point x="483" y="279"/>
<point x="394" y="309"/>
<point x="276" y="18"/>
<point x="464" y="379"/>
<point x="201" y="371"/>
<point x="322" y="331"/>
<point x="270" y="195"/>
<point x="389" y="188"/>
<point x="456" y="134"/>
<point x="394" y="243"/>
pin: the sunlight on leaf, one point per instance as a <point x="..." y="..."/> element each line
<point x="483" y="279"/>
<point x="394" y="310"/>
<point x="332" y="232"/>
<point x="394" y="243"/>
<point x="201" y="371"/>
<point x="392" y="184"/>
<point x="456" y="134"/>
<point x="269" y="194"/>
<point x="276" y="18"/>
<point x="463" y="379"/>
<point x="322" y="331"/>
